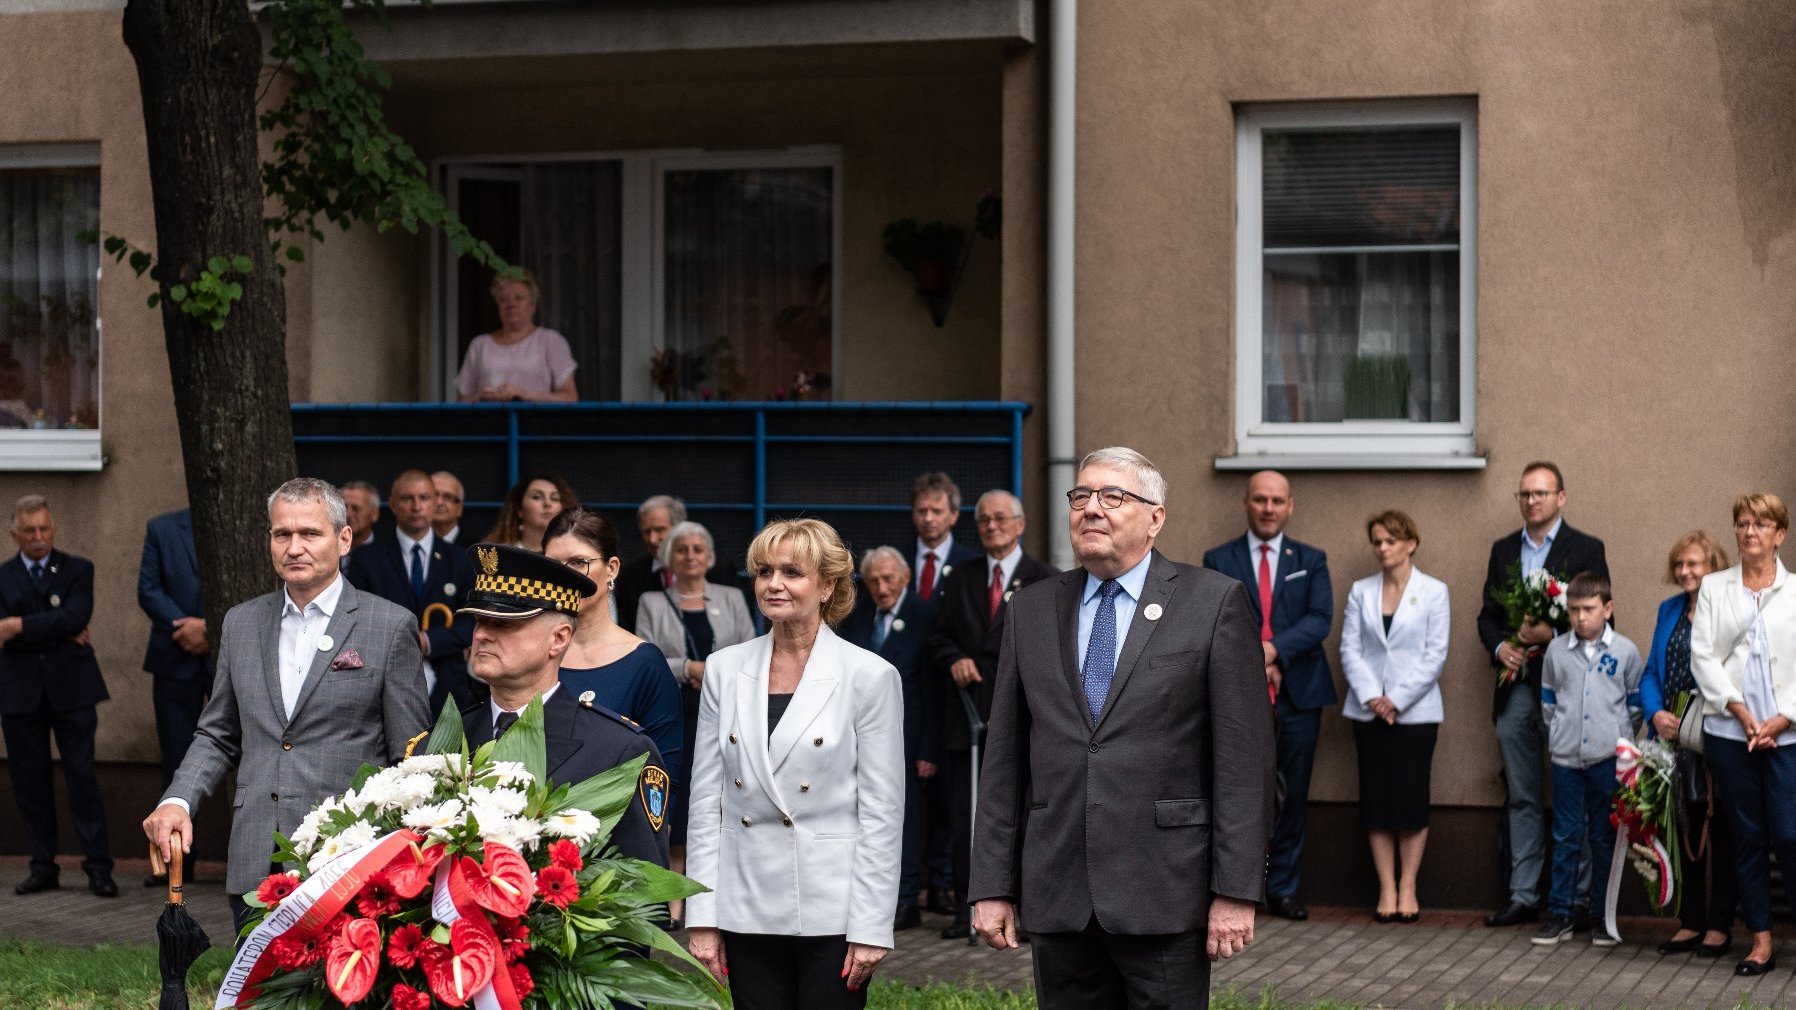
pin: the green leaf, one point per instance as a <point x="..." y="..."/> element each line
<point x="155" y="299"/>
<point x="525" y="743"/>
<point x="218" y="264"/>
<point x="447" y="737"/>
<point x="608" y="793"/>
<point x="296" y="254"/>
<point x="648" y="884"/>
<point x="242" y="264"/>
<point x="141" y="262"/>
<point x="178" y="293"/>
<point x="362" y="775"/>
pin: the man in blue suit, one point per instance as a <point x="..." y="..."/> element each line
<point x="410" y="566"/>
<point x="1293" y="603"/>
<point x="178" y="656"/>
<point x="894" y="622"/>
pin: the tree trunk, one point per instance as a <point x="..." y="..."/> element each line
<point x="198" y="63"/>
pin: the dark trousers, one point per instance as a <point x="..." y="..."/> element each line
<point x="1711" y="893"/>
<point x="178" y="702"/>
<point x="789" y="972"/>
<point x="938" y="835"/>
<point x="1297" y="732"/>
<point x="1582" y="798"/>
<point x="1096" y="970"/>
<point x="910" y="848"/>
<point x="28" y="752"/>
<point x="1755" y="789"/>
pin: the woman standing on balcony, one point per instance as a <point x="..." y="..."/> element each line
<point x="529" y="506"/>
<point x="520" y="360"/>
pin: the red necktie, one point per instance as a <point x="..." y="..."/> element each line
<point x="926" y="585"/>
<point x="666" y="578"/>
<point x="997" y="595"/>
<point x="1265" y="592"/>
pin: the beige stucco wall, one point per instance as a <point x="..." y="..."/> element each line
<point x="1635" y="269"/>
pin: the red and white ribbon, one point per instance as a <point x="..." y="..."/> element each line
<point x="451" y="900"/>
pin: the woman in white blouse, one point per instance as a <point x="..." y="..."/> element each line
<point x="1393" y="645"/>
<point x="1743" y="657"/>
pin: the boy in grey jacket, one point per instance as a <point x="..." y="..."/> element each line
<point x="1589" y="698"/>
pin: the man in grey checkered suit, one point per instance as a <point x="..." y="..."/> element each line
<point x="313" y="679"/>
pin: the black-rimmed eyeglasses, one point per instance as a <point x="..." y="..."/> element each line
<point x="1109" y="497"/>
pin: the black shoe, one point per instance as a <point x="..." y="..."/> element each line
<point x="1750" y="968"/>
<point x="941" y="902"/>
<point x="1385" y="918"/>
<point x="101" y="884"/>
<point x="908" y="917"/>
<point x="1580" y="918"/>
<point x="958" y="931"/>
<point x="1717" y="950"/>
<point x="1514" y="915"/>
<point x="38" y="882"/>
<point x="1408" y="918"/>
<point x="1286" y="906"/>
<point x="1683" y="946"/>
<point x="1555" y="929"/>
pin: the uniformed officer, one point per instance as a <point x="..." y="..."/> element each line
<point x="525" y="605"/>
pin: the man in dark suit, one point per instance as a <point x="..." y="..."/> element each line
<point x="934" y="509"/>
<point x="894" y="622"/>
<point x="1547" y="541"/>
<point x="524" y="606"/>
<point x="1293" y="607"/>
<point x="409" y="566"/>
<point x="178" y="656"/>
<point x="50" y="683"/>
<point x="1126" y="799"/>
<point x="654" y="518"/>
<point x="965" y="644"/>
<point x="445" y="518"/>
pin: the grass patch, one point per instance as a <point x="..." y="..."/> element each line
<point x="99" y="978"/>
<point x="942" y="996"/>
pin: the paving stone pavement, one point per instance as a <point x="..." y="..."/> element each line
<point x="1449" y="959"/>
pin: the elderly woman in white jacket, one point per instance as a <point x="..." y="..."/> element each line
<point x="798" y="790"/>
<point x="1393" y="645"/>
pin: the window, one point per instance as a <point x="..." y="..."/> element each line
<point x="49" y="320"/>
<point x="1356" y="302"/>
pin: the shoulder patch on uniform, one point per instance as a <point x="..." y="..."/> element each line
<point x="651" y="789"/>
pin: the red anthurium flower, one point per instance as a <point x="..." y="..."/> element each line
<point x="410" y="871"/>
<point x="473" y="956"/>
<point x="277" y="886"/>
<point x="514" y="938"/>
<point x="521" y="982"/>
<point x="407" y="998"/>
<point x="352" y="960"/>
<point x="501" y="884"/>
<point x="557" y="885"/>
<point x="378" y="897"/>
<point x="566" y="853"/>
<point x="404" y="947"/>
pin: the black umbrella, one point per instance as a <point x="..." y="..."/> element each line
<point x="179" y="940"/>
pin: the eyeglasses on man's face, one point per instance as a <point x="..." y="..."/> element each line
<point x="1109" y="497"/>
<point x="993" y="520"/>
<point x="1533" y="495"/>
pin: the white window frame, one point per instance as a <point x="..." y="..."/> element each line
<point x="24" y="449"/>
<point x="642" y="223"/>
<point x="1352" y="444"/>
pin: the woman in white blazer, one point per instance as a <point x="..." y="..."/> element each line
<point x="1393" y="645"/>
<point x="797" y="790"/>
<point x="1743" y="657"/>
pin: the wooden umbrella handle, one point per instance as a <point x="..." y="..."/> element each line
<point x="173" y="870"/>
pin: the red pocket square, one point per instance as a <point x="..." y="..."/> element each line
<point x="350" y="660"/>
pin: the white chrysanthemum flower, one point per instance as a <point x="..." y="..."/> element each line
<point x="574" y="823"/>
<point x="510" y="773"/>
<point x="414" y="789"/>
<point x="520" y="833"/>
<point x="378" y="791"/>
<point x="508" y="802"/>
<point x="435" y="819"/>
<point x="348" y="840"/>
<point x="431" y="764"/>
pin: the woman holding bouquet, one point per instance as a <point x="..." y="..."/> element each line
<point x="1743" y="656"/>
<point x="1706" y="857"/>
<point x="798" y="790"/>
<point x="1393" y="646"/>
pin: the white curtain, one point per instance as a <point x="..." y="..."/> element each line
<point x="49" y="336"/>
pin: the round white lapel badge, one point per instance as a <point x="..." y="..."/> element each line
<point x="1152" y="612"/>
<point x="586" y="697"/>
<point x="324" y="643"/>
<point x="1008" y="595"/>
<point x="448" y="589"/>
<point x="947" y="570"/>
<point x="716" y="611"/>
<point x="898" y="624"/>
<point x="55" y="600"/>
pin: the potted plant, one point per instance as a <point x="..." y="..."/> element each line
<point x="929" y="251"/>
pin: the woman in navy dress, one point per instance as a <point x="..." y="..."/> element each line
<point x="624" y="673"/>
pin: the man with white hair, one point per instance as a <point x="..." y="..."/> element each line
<point x="654" y="518"/>
<point x="1127" y="790"/>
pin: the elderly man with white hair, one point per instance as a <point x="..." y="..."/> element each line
<point x="893" y="620"/>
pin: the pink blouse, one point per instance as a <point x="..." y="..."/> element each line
<point x="539" y="363"/>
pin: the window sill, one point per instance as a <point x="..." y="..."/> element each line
<point x="59" y="451"/>
<point x="1350" y="461"/>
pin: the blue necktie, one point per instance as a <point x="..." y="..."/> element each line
<point x="37" y="573"/>
<point x="879" y="630"/>
<point x="1100" y="650"/>
<point x="418" y="572"/>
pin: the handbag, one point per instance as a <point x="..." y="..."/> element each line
<point x="1690" y="725"/>
<point x="1691" y="778"/>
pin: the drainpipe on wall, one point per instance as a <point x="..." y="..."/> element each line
<point x="1062" y="381"/>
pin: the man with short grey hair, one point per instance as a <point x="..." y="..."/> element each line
<point x="655" y="517"/>
<point x="314" y="680"/>
<point x="445" y="516"/>
<point x="362" y="502"/>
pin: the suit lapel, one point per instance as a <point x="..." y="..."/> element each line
<point x="341" y="624"/>
<point x="1157" y="590"/>
<point x="270" y="648"/>
<point x="482" y="729"/>
<point x="185" y="525"/>
<point x="1249" y="567"/>
<point x="1372" y="611"/>
<point x="814" y="690"/>
<point x="751" y="714"/>
<point x="1555" y="559"/>
<point x="1066" y="608"/>
<point x="558" y="731"/>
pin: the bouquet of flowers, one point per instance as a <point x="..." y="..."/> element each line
<point x="1645" y="805"/>
<point x="1537" y="596"/>
<point x="456" y="879"/>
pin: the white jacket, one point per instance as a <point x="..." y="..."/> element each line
<point x="1719" y="644"/>
<point x="798" y="835"/>
<point x="1405" y="665"/>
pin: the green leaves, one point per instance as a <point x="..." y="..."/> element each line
<point x="448" y="736"/>
<point x="608" y="793"/>
<point x="524" y="742"/>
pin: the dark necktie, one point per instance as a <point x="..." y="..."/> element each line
<point x="1100" y="650"/>
<point x="926" y="583"/>
<point x="996" y="596"/>
<point x="37" y="574"/>
<point x="418" y="571"/>
<point x="503" y="723"/>
<point x="879" y="628"/>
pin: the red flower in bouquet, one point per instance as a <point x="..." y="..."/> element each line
<point x="566" y="853"/>
<point x="514" y="938"/>
<point x="378" y="897"/>
<point x="521" y="982"/>
<point x="409" y="872"/>
<point x="473" y="954"/>
<point x="352" y="960"/>
<point x="296" y="955"/>
<point x="277" y="886"/>
<point x="405" y="946"/>
<point x="557" y="886"/>
<point x="501" y="884"/>
<point x="407" y="998"/>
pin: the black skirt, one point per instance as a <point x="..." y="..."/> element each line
<point x="1394" y="766"/>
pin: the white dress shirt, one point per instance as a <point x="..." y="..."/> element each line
<point x="1133" y="581"/>
<point x="1277" y="544"/>
<point x="301" y="628"/>
<point x="1006" y="566"/>
<point x="495" y="709"/>
<point x="941" y="552"/>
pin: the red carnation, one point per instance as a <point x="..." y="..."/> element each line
<point x="514" y="938"/>
<point x="566" y="853"/>
<point x="521" y="982"/>
<point x="406" y="998"/>
<point x="404" y="947"/>
<point x="277" y="886"/>
<point x="378" y="897"/>
<point x="557" y="886"/>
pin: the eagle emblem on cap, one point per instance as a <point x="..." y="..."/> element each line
<point x="489" y="559"/>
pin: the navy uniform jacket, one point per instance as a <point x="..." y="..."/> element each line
<point x="906" y="648"/>
<point x="41" y="663"/>
<point x="584" y="740"/>
<point x="1303" y="609"/>
<point x="168" y="588"/>
<point x="962" y="632"/>
<point x="378" y="567"/>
